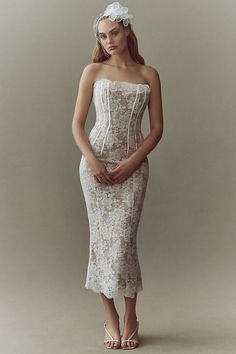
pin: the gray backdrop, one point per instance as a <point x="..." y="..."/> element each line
<point x="186" y="237"/>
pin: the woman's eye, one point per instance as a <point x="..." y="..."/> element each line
<point x="113" y="33"/>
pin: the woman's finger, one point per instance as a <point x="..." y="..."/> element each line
<point x="114" y="172"/>
<point x="97" y="179"/>
<point x="107" y="179"/>
<point x="121" y="180"/>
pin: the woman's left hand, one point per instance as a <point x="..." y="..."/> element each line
<point x="123" y="170"/>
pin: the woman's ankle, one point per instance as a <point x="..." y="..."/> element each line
<point x="130" y="317"/>
<point x="112" y="316"/>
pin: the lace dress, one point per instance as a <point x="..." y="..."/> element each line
<point x="114" y="210"/>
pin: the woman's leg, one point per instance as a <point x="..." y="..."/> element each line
<point x="112" y="320"/>
<point x="130" y="319"/>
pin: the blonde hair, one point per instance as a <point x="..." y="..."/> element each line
<point x="98" y="54"/>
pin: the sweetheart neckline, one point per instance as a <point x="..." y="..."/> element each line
<point x="124" y="82"/>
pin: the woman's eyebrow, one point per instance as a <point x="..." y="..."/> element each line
<point x="109" y="31"/>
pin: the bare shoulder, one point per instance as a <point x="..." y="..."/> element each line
<point x="86" y="83"/>
<point x="151" y="75"/>
<point x="92" y="66"/>
<point x="89" y="72"/>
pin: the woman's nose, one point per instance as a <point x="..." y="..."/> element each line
<point x="109" y="39"/>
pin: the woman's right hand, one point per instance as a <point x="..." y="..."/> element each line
<point x="100" y="172"/>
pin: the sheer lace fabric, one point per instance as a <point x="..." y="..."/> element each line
<point x="114" y="210"/>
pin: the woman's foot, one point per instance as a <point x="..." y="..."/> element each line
<point x="130" y="324"/>
<point x="112" y="326"/>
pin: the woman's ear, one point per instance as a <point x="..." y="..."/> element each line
<point x="127" y="31"/>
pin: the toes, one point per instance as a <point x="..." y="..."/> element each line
<point x="114" y="344"/>
<point x="130" y="344"/>
<point x="111" y="344"/>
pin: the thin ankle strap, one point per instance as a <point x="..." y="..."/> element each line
<point x="134" y="331"/>
<point x="108" y="332"/>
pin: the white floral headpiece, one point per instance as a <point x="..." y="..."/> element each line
<point x="115" y="12"/>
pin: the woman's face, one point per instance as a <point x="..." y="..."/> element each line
<point x="112" y="34"/>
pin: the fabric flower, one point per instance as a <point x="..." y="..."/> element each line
<point x="117" y="12"/>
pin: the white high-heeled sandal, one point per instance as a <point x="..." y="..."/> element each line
<point x="131" y="340"/>
<point x="111" y="339"/>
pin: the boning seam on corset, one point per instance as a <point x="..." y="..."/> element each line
<point x="134" y="128"/>
<point x="135" y="123"/>
<point x="100" y="125"/>
<point x="107" y="100"/>
<point x="102" y="111"/>
<point x="130" y="120"/>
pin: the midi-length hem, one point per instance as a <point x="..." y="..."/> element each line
<point x="116" y="293"/>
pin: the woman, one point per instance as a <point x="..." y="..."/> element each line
<point x="114" y="167"/>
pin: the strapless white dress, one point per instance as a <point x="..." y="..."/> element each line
<point x="114" y="210"/>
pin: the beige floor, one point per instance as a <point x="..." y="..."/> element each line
<point x="65" y="318"/>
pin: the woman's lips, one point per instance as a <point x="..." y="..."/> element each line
<point x="111" y="48"/>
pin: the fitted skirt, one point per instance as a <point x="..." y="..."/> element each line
<point x="114" y="213"/>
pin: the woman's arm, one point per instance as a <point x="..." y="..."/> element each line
<point x="82" y="105"/>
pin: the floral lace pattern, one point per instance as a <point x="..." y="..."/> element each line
<point x="114" y="210"/>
